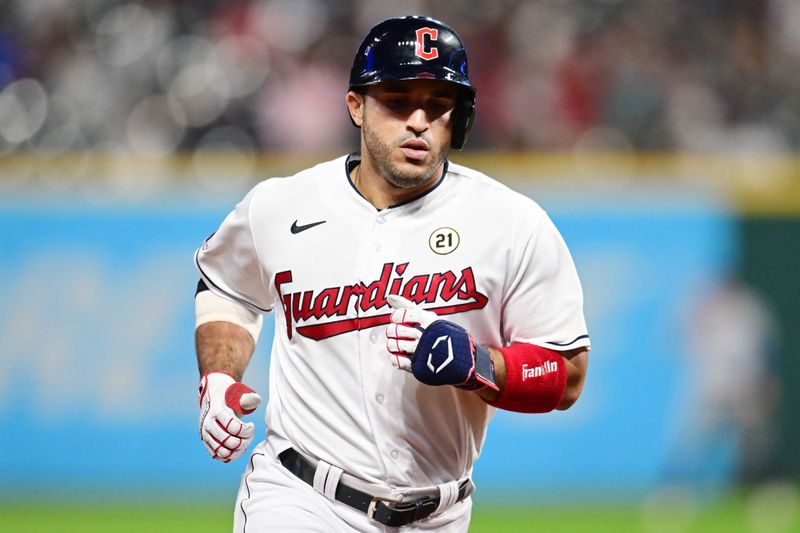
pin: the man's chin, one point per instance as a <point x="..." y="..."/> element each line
<point x="409" y="178"/>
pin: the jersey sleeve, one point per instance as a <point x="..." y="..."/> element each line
<point x="228" y="260"/>
<point x="543" y="304"/>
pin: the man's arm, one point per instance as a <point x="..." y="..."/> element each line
<point x="225" y="338"/>
<point x="575" y="361"/>
<point x="223" y="347"/>
<point x="540" y="379"/>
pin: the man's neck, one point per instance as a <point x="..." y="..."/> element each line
<point x="380" y="192"/>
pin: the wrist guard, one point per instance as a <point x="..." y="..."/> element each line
<point x="447" y="355"/>
<point x="536" y="379"/>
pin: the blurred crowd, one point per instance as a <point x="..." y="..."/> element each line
<point x="163" y="76"/>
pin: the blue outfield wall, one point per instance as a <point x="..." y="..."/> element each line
<point x="98" y="379"/>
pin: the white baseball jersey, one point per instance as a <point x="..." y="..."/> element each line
<point x="315" y="251"/>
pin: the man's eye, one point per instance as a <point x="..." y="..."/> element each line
<point x="443" y="104"/>
<point x="395" y="102"/>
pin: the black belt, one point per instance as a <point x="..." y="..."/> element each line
<point x="386" y="512"/>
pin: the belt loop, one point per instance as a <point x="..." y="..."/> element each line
<point x="448" y="494"/>
<point x="332" y="482"/>
<point x="326" y="479"/>
<point x="320" y="475"/>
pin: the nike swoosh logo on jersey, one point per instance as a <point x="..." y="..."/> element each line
<point x="298" y="229"/>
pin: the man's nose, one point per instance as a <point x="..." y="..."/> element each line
<point x="418" y="120"/>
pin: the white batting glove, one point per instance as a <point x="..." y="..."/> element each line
<point x="225" y="436"/>
<point x="407" y="323"/>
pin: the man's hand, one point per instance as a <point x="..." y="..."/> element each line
<point x="225" y="436"/>
<point x="436" y="351"/>
<point x="408" y="321"/>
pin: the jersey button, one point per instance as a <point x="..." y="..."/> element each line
<point x="374" y="336"/>
<point x="379" y="398"/>
<point x="395" y="454"/>
<point x="381" y="219"/>
<point x="376" y="247"/>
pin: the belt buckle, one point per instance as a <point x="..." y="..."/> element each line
<point x="394" y="506"/>
<point x="373" y="504"/>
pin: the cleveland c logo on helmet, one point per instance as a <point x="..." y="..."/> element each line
<point x="420" y="50"/>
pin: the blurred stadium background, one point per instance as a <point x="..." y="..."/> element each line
<point x="661" y="135"/>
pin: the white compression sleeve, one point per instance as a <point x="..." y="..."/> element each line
<point x="210" y="307"/>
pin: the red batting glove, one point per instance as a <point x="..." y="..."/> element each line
<point x="225" y="436"/>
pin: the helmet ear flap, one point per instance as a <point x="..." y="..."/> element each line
<point x="464" y="119"/>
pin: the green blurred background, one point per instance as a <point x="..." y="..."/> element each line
<point x="661" y="136"/>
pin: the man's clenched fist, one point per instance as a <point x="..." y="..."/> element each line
<point x="408" y="322"/>
<point x="436" y="351"/>
<point x="222" y="398"/>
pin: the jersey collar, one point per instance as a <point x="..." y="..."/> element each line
<point x="354" y="159"/>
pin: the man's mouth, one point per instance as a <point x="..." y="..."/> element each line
<point x="416" y="149"/>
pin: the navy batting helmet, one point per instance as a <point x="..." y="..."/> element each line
<point x="417" y="48"/>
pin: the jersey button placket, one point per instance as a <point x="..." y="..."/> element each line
<point x="380" y="220"/>
<point x="372" y="340"/>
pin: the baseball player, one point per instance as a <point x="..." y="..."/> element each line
<point x="412" y="298"/>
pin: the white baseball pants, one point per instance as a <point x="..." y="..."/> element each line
<point x="272" y="499"/>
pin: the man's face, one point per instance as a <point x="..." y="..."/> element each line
<point x="407" y="127"/>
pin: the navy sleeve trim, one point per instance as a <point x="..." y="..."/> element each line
<point x="226" y="293"/>
<point x="573" y="341"/>
<point x="201" y="286"/>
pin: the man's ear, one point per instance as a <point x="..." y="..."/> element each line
<point x="355" y="105"/>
